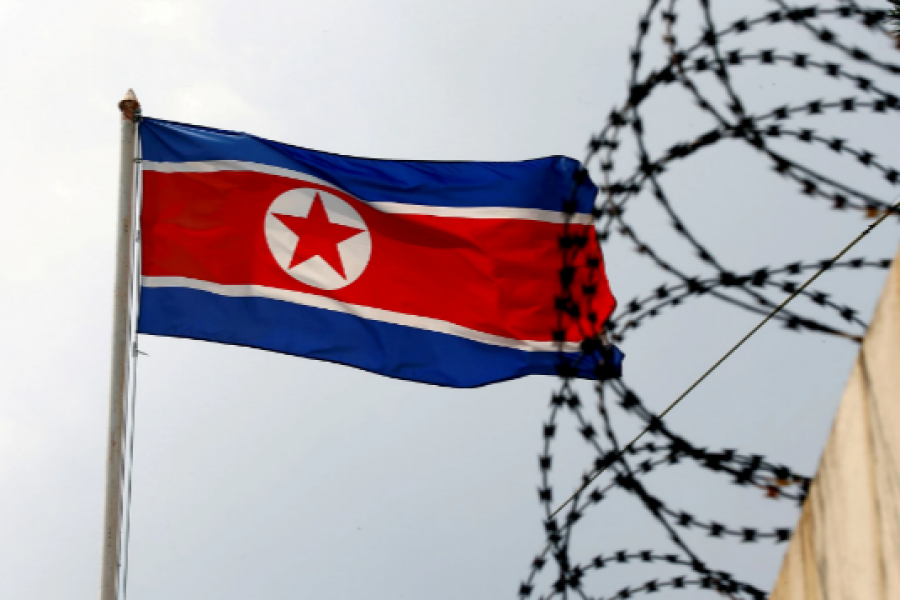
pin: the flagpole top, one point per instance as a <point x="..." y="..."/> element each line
<point x="129" y="106"/>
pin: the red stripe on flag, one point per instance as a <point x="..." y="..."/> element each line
<point x="498" y="276"/>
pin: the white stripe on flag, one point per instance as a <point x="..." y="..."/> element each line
<point x="364" y="312"/>
<point x="487" y="212"/>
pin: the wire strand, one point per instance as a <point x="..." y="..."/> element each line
<point x="727" y="355"/>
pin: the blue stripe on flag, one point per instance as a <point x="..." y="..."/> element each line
<point x="393" y="350"/>
<point x="541" y="183"/>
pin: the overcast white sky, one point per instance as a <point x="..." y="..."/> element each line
<point x="264" y="476"/>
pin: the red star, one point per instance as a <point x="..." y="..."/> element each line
<point x="318" y="236"/>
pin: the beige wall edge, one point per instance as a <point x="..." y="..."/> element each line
<point x="847" y="543"/>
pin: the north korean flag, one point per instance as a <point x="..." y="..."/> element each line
<point x="439" y="272"/>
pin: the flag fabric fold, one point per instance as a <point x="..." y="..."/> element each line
<point x="439" y="272"/>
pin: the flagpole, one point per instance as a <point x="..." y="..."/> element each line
<point x="121" y="354"/>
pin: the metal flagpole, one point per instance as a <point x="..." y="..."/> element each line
<point x="121" y="351"/>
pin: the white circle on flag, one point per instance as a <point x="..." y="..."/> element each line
<point x="318" y="238"/>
